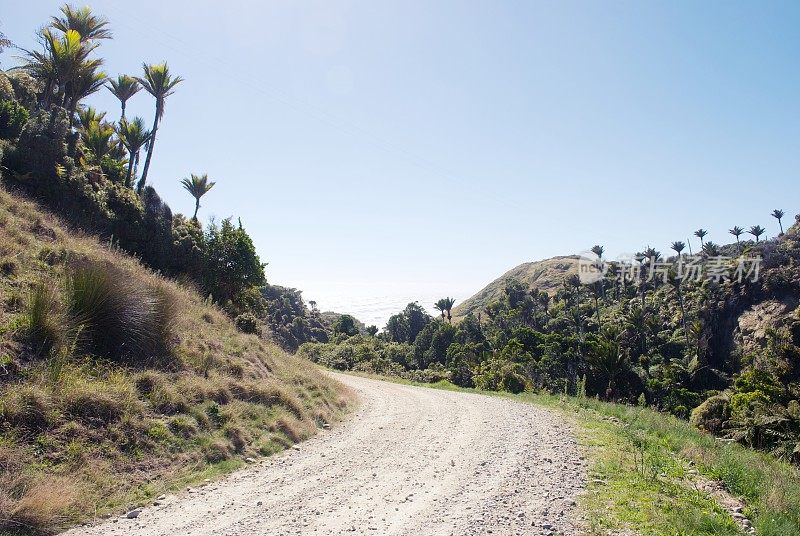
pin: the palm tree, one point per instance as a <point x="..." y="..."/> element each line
<point x="97" y="137"/>
<point x="737" y="232"/>
<point x="607" y="361"/>
<point x="675" y="281"/>
<point x="778" y="214"/>
<point x="441" y="307"/>
<point x="82" y="21"/>
<point x="133" y="136"/>
<point x="123" y="88"/>
<point x="711" y="249"/>
<point x="445" y="305"/>
<point x="198" y="186"/>
<point x="88" y="115"/>
<point x="160" y="84"/>
<point x="678" y="247"/>
<point x="700" y="233"/>
<point x="64" y="68"/>
<point x="757" y="231"/>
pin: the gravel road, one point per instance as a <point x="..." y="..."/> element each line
<point x="410" y="461"/>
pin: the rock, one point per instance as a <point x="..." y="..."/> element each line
<point x="250" y="460"/>
<point x="133" y="514"/>
<point x="161" y="497"/>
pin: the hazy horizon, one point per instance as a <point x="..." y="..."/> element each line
<point x="392" y="150"/>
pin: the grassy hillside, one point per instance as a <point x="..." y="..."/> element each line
<point x="547" y="275"/>
<point x="117" y="384"/>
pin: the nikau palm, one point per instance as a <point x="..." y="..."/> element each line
<point x="778" y="214"/>
<point x="82" y="20"/>
<point x="701" y="233"/>
<point x="160" y="84"/>
<point x="123" y="88"/>
<point x="757" y="231"/>
<point x="133" y="136"/>
<point x="198" y="186"/>
<point x="737" y="232"/>
<point x="445" y="306"/>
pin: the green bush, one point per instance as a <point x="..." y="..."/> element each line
<point x="500" y="375"/>
<point x="6" y="89"/>
<point x="13" y="117"/>
<point x="26" y="88"/>
<point x="712" y="414"/>
<point x="247" y="323"/>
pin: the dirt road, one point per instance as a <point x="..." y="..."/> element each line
<point x="410" y="461"/>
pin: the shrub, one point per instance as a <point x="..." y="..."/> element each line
<point x="13" y="117"/>
<point x="26" y="88"/>
<point x="712" y="414"/>
<point x="500" y="375"/>
<point x="247" y="323"/>
<point x="6" y="89"/>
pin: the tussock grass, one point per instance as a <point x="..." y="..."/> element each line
<point x="118" y="385"/>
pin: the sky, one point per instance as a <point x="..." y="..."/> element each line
<point x="383" y="152"/>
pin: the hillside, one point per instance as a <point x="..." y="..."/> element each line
<point x="547" y="275"/>
<point x="117" y="385"/>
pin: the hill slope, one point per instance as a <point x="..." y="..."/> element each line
<point x="547" y="275"/>
<point x="94" y="415"/>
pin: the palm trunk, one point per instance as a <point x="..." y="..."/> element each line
<point x="123" y="111"/>
<point x="197" y="207"/>
<point x="143" y="180"/>
<point x="781" y="225"/>
<point x="131" y="161"/>
<point x="683" y="315"/>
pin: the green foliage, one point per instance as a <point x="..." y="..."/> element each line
<point x="13" y="117"/>
<point x="231" y="263"/>
<point x="247" y="323"/>
<point x="345" y="325"/>
<point x="500" y="375"/>
<point x="712" y="414"/>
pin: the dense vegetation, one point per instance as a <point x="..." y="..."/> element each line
<point x="116" y="383"/>
<point x="722" y="351"/>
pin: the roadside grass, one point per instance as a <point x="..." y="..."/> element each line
<point x="82" y="436"/>
<point x="641" y="477"/>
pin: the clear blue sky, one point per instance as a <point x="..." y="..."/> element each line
<point x="421" y="147"/>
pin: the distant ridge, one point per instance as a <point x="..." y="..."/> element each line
<point x="546" y="275"/>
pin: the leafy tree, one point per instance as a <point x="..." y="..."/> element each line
<point x="231" y="262"/>
<point x="757" y="231"/>
<point x="197" y="186"/>
<point x="778" y="214"/>
<point x="160" y="84"/>
<point x="406" y="325"/>
<point x="372" y="330"/>
<point x="133" y="136"/>
<point x="345" y="325"/>
<point x="123" y="88"/>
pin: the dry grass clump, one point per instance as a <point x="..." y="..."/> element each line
<point x="117" y="382"/>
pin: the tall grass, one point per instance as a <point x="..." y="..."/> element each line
<point x="44" y="321"/>
<point x="118" y="318"/>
